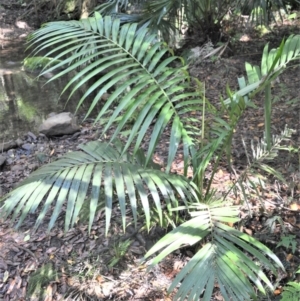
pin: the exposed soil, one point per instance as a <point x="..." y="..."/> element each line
<point x="83" y="264"/>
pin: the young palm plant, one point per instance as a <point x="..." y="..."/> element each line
<point x="272" y="65"/>
<point x="225" y="256"/>
<point x="168" y="16"/>
<point x="161" y="88"/>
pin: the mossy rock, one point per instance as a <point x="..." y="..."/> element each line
<point x="38" y="63"/>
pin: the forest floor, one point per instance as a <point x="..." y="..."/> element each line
<point x="82" y="266"/>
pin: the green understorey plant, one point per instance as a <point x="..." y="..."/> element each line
<point x="170" y="17"/>
<point x="119" y="174"/>
<point x="273" y="63"/>
<point x="40" y="279"/>
<point x="291" y="292"/>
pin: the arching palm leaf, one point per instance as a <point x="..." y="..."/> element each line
<point x="273" y="63"/>
<point x="224" y="260"/>
<point x="128" y="58"/>
<point x="79" y="176"/>
<point x="158" y="16"/>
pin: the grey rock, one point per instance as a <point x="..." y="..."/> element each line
<point x="31" y="135"/>
<point x="41" y="147"/>
<point x="75" y="136"/>
<point x="7" y="145"/>
<point x="17" y="168"/>
<point x="43" y="137"/>
<point x="60" y="124"/>
<point x="33" y="166"/>
<point x="11" y="153"/>
<point x="51" y="114"/>
<point x="48" y="75"/>
<point x="19" y="141"/>
<point x="11" y="63"/>
<point x="28" y="146"/>
<point x="9" y="161"/>
<point x="2" y="160"/>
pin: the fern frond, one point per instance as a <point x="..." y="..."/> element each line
<point x="291" y="292"/>
<point x="260" y="152"/>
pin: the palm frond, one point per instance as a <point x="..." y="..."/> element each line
<point x="260" y="152"/>
<point x="258" y="158"/>
<point x="79" y="176"/>
<point x="222" y="124"/>
<point x="129" y="58"/>
<point x="273" y="63"/>
<point x="226" y="260"/>
<point x="112" y="7"/>
<point x="160" y="17"/>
